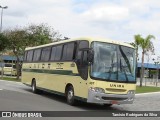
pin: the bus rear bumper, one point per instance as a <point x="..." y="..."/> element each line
<point x="103" y="98"/>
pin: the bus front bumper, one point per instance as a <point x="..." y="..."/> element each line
<point x="7" y="73"/>
<point x="104" y="98"/>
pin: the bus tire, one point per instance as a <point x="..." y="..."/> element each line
<point x="107" y="105"/>
<point x="34" y="89"/>
<point x="70" y="96"/>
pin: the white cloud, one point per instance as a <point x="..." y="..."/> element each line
<point x="107" y="13"/>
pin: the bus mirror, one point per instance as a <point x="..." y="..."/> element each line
<point x="90" y="56"/>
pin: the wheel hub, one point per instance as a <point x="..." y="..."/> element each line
<point x="70" y="95"/>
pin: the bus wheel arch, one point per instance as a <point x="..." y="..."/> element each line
<point x="69" y="93"/>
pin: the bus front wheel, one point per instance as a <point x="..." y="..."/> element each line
<point x="107" y="105"/>
<point x="70" y="96"/>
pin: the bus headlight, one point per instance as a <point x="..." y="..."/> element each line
<point x="131" y="92"/>
<point x="97" y="89"/>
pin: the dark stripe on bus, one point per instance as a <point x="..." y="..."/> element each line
<point x="60" y="72"/>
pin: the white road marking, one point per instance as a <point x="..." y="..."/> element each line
<point x="1" y="89"/>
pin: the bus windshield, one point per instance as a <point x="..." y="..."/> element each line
<point x="8" y="65"/>
<point x="113" y="62"/>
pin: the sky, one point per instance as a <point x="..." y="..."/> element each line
<point x="114" y="19"/>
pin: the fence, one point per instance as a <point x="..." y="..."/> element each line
<point x="149" y="82"/>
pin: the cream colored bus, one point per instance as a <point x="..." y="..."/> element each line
<point x="93" y="70"/>
<point x="9" y="69"/>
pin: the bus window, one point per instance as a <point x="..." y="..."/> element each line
<point x="68" y="51"/>
<point x="58" y="53"/>
<point x="45" y="54"/>
<point x="30" y="56"/>
<point x="37" y="54"/>
<point x="53" y="53"/>
<point x="64" y="52"/>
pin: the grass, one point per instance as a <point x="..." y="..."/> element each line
<point x="146" y="89"/>
<point x="10" y="79"/>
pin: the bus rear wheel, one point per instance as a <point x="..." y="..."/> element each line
<point x="34" y="89"/>
<point x="70" y="96"/>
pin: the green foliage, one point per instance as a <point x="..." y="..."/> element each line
<point x="33" y="35"/>
<point x="11" y="79"/>
<point x="3" y="42"/>
<point x="153" y="72"/>
<point x="146" y="43"/>
<point x="17" y="41"/>
<point x="39" y="34"/>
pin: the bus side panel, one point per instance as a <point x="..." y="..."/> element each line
<point x="60" y="76"/>
<point x="55" y="77"/>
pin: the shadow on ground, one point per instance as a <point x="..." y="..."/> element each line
<point x="79" y="104"/>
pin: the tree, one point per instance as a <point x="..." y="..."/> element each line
<point x="3" y="45"/>
<point x="146" y="45"/>
<point x="3" y="42"/>
<point x="33" y="35"/>
<point x="41" y="34"/>
<point x="136" y="43"/>
<point x="17" y="43"/>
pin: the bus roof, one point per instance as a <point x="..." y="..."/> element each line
<point x="90" y="39"/>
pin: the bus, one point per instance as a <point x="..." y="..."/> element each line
<point x="9" y="69"/>
<point x="92" y="70"/>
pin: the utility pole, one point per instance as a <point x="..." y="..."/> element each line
<point x="5" y="7"/>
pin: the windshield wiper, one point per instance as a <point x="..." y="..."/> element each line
<point x="125" y="58"/>
<point x="110" y="71"/>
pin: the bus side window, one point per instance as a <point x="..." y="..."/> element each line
<point x="36" y="55"/>
<point x="58" y="53"/>
<point x="53" y="53"/>
<point x="64" y="55"/>
<point x="30" y="56"/>
<point x="45" y="54"/>
<point x="68" y="51"/>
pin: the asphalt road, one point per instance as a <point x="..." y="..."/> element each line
<point x="15" y="96"/>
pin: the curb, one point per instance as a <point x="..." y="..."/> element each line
<point x="147" y="93"/>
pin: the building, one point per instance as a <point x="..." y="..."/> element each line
<point x="150" y="70"/>
<point x="7" y="59"/>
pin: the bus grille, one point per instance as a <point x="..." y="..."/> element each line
<point x="113" y="98"/>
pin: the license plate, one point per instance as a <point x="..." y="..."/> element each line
<point x="114" y="102"/>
